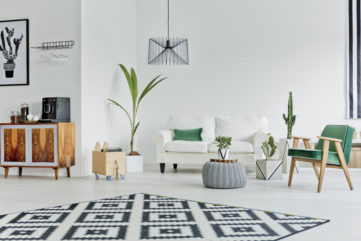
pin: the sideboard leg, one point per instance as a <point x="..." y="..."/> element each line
<point x="20" y="171"/>
<point x="6" y="172"/>
<point x="68" y="171"/>
<point x="56" y="170"/>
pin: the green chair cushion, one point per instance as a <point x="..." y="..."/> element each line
<point x="314" y="154"/>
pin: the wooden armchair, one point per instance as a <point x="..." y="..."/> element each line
<point x="332" y="150"/>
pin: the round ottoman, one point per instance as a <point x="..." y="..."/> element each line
<point x="224" y="174"/>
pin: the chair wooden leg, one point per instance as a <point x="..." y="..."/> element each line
<point x="316" y="170"/>
<point x="347" y="174"/>
<point x="322" y="173"/>
<point x="325" y="148"/>
<point x="56" y="171"/>
<point x="341" y="157"/>
<point x="6" y="172"/>
<point x="68" y="171"/>
<point x="293" y="163"/>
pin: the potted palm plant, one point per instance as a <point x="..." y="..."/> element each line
<point x="134" y="159"/>
<point x="223" y="143"/>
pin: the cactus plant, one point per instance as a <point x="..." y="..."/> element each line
<point x="11" y="53"/>
<point x="290" y="119"/>
<point x="269" y="147"/>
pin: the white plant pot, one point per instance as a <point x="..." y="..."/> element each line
<point x="223" y="154"/>
<point x="134" y="163"/>
<point x="269" y="169"/>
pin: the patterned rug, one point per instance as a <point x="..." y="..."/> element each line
<point x="151" y="217"/>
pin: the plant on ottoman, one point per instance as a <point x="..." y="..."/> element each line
<point x="268" y="168"/>
<point x="223" y="143"/>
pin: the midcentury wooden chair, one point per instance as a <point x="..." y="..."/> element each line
<point x="332" y="150"/>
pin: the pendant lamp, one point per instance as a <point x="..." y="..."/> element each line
<point x="168" y="51"/>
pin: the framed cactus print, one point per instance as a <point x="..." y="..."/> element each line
<point x="14" y="52"/>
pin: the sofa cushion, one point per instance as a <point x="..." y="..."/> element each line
<point x="240" y="128"/>
<point x="207" y="123"/>
<point x="236" y="147"/>
<point x="187" y="146"/>
<point x="187" y="134"/>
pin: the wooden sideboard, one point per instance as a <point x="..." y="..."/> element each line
<point x="355" y="158"/>
<point x="44" y="145"/>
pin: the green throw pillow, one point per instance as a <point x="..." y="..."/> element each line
<point x="187" y="134"/>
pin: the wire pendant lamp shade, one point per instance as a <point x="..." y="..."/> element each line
<point x="168" y="51"/>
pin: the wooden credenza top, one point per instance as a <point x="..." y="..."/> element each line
<point x="38" y="123"/>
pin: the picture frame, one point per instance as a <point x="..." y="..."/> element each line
<point x="14" y="52"/>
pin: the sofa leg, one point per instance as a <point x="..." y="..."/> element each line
<point x="162" y="167"/>
<point x="175" y="166"/>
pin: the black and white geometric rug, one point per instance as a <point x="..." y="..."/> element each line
<point x="151" y="217"/>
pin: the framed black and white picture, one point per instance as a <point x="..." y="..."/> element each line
<point x="14" y="52"/>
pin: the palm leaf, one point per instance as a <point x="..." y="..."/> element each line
<point x="128" y="77"/>
<point x="134" y="90"/>
<point x="121" y="107"/>
<point x="149" y="87"/>
<point x="135" y="128"/>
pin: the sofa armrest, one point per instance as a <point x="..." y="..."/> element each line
<point x="258" y="139"/>
<point x="160" y="138"/>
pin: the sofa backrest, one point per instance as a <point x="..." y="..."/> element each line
<point x="240" y="128"/>
<point x="207" y="123"/>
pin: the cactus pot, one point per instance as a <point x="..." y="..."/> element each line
<point x="223" y="154"/>
<point x="9" y="69"/>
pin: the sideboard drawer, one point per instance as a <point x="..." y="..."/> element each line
<point x="14" y="145"/>
<point x="27" y="145"/>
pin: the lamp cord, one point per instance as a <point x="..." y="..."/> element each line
<point x="168" y="20"/>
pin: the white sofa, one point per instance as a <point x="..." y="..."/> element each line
<point x="247" y="134"/>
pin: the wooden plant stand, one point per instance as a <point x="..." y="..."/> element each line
<point x="40" y="145"/>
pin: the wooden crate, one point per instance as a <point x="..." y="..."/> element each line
<point x="109" y="164"/>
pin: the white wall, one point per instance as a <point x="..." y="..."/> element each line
<point x="245" y="55"/>
<point x="108" y="38"/>
<point x="49" y="20"/>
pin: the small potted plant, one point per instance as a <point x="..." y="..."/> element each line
<point x="223" y="143"/>
<point x="269" y="147"/>
<point x="269" y="168"/>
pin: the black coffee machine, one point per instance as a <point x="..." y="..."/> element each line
<point x="56" y="109"/>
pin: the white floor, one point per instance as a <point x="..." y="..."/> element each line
<point x="336" y="202"/>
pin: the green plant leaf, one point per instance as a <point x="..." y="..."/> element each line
<point x="121" y="107"/>
<point x="149" y="87"/>
<point x="129" y="79"/>
<point x="136" y="128"/>
<point x="134" y="90"/>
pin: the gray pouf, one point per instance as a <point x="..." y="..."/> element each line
<point x="224" y="175"/>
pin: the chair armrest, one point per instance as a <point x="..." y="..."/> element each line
<point x="329" y="139"/>
<point x="258" y="138"/>
<point x="300" y="137"/>
<point x="161" y="137"/>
